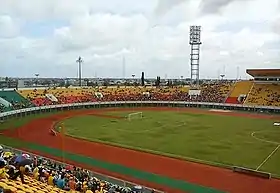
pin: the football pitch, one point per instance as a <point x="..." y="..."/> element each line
<point x="208" y="138"/>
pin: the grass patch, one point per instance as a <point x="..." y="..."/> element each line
<point x="269" y="135"/>
<point x="11" y="142"/>
<point x="215" y="138"/>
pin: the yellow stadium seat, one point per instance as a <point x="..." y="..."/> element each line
<point x="20" y="191"/>
<point x="264" y="94"/>
<point x="11" y="183"/>
<point x="11" y="188"/>
<point x="27" y="190"/>
<point x="25" y="186"/>
<point x="241" y="87"/>
<point x="3" y="184"/>
<point x="33" y="189"/>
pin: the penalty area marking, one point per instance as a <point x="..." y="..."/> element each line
<point x="263" y="140"/>
<point x="267" y="158"/>
<point x="266" y="141"/>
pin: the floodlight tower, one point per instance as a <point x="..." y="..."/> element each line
<point x="195" y="43"/>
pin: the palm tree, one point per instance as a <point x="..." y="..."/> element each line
<point x="86" y="80"/>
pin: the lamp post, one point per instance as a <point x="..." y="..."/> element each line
<point x="37" y="77"/>
<point x="80" y="61"/>
<point x="133" y="75"/>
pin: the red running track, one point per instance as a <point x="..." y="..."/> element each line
<point x="37" y="131"/>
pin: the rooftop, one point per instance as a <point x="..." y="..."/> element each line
<point x="264" y="72"/>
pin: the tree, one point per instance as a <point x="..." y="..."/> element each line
<point x="61" y="84"/>
<point x="106" y="82"/>
<point x="168" y="83"/>
<point x="158" y="81"/>
<point x="7" y="82"/>
<point x="67" y="84"/>
<point x="86" y="80"/>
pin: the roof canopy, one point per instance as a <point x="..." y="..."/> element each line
<point x="264" y="72"/>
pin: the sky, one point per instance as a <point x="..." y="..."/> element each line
<point x="48" y="36"/>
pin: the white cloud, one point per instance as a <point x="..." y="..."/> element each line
<point x="102" y="32"/>
<point x="8" y="27"/>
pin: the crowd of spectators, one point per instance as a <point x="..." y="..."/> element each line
<point x="62" y="96"/>
<point x="215" y="92"/>
<point x="15" y="106"/>
<point x="21" y="167"/>
<point x="265" y="94"/>
<point x="209" y="92"/>
<point x="2" y="108"/>
<point x="21" y="104"/>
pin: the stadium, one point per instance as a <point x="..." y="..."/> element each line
<point x="88" y="134"/>
<point x="166" y="139"/>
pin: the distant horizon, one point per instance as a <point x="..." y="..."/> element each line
<point x="118" y="78"/>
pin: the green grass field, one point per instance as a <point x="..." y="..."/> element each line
<point x="223" y="140"/>
<point x="217" y="139"/>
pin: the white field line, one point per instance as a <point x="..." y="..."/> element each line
<point x="266" y="141"/>
<point x="263" y="140"/>
<point x="267" y="158"/>
<point x="135" y="113"/>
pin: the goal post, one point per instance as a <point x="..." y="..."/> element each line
<point x="136" y="115"/>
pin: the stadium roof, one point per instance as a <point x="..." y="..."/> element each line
<point x="264" y="72"/>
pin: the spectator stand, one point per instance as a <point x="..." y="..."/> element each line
<point x="120" y="186"/>
<point x="239" y="92"/>
<point x="211" y="92"/>
<point x="266" y="88"/>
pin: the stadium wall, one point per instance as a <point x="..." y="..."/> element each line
<point x="133" y="104"/>
<point x="115" y="104"/>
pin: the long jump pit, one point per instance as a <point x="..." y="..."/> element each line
<point x="37" y="132"/>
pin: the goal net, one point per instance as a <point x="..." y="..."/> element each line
<point x="133" y="116"/>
